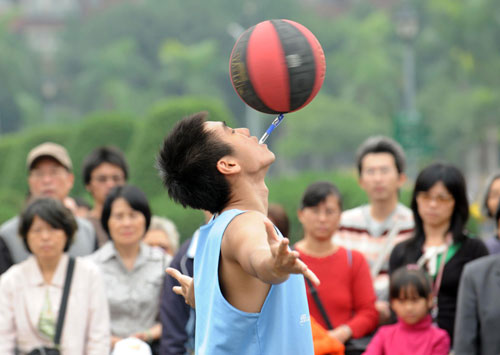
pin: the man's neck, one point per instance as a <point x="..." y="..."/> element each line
<point x="249" y="195"/>
<point x="96" y="212"/>
<point x="380" y="210"/>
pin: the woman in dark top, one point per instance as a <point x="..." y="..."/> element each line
<point x="441" y="210"/>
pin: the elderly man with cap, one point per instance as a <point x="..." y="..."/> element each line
<point x="49" y="175"/>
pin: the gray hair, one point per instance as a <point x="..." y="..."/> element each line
<point x="166" y="225"/>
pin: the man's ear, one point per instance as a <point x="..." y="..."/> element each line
<point x="228" y="165"/>
<point x="402" y="179"/>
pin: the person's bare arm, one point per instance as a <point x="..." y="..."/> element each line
<point x="252" y="241"/>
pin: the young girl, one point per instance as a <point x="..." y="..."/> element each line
<point x="411" y="299"/>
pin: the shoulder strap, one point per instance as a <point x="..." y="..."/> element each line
<point x="64" y="300"/>
<point x="223" y="220"/>
<point x="315" y="296"/>
<point x="314" y="293"/>
<point x="349" y="257"/>
<point x="387" y="248"/>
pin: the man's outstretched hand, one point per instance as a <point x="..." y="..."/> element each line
<point x="286" y="261"/>
<point x="186" y="288"/>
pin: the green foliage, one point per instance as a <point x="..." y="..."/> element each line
<point x="153" y="129"/>
<point x="19" y="73"/>
<point x="107" y="128"/>
<point x="12" y="203"/>
<point x="330" y="122"/>
<point x="186" y="220"/>
<point x="9" y="145"/>
<point x="179" y="61"/>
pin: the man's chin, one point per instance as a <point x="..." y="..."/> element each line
<point x="49" y="194"/>
<point x="380" y="197"/>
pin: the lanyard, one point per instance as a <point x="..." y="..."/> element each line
<point x="436" y="285"/>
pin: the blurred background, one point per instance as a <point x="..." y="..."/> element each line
<point x="89" y="72"/>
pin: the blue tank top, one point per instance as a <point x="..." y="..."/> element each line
<point x="282" y="327"/>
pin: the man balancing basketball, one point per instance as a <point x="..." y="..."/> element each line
<point x="249" y="296"/>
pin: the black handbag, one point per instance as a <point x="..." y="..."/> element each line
<point x="60" y="319"/>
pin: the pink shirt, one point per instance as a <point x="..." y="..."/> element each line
<point x="422" y="338"/>
<point x="86" y="329"/>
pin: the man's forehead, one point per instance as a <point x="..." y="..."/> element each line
<point x="217" y="127"/>
<point x="45" y="160"/>
<point x="214" y="124"/>
<point x="378" y="158"/>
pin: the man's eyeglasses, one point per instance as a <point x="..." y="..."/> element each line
<point x="117" y="179"/>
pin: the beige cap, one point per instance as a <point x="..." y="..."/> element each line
<point x="49" y="149"/>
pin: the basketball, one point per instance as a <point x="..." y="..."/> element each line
<point x="277" y="66"/>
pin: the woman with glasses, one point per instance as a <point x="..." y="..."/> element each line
<point x="440" y="243"/>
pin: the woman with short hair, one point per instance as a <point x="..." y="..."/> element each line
<point x="31" y="291"/>
<point x="133" y="271"/>
<point x="346" y="291"/>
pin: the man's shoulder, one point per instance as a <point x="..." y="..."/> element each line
<point x="354" y="217"/>
<point x="403" y="212"/>
<point x="9" y="228"/>
<point x="84" y="226"/>
<point x="240" y="223"/>
<point x="356" y="212"/>
<point x="480" y="265"/>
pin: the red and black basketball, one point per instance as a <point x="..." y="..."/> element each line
<point x="277" y="66"/>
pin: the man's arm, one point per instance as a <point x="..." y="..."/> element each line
<point x="252" y="242"/>
<point x="467" y="319"/>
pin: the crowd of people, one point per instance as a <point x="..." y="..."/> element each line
<point x="90" y="279"/>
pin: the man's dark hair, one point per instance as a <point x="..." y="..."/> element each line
<point x="187" y="163"/>
<point x="51" y="211"/>
<point x="134" y="197"/>
<point x="105" y="154"/>
<point x="318" y="192"/>
<point x="381" y="144"/>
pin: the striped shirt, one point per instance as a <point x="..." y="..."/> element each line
<point x="359" y="231"/>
